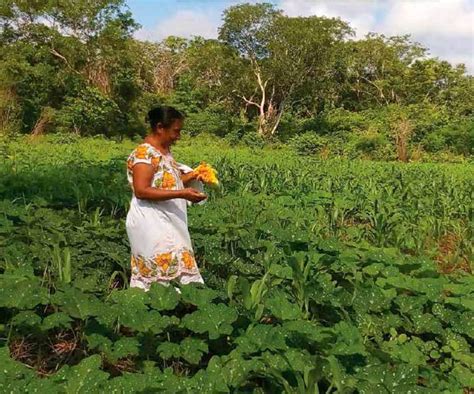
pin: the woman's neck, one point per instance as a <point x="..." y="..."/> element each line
<point x="158" y="145"/>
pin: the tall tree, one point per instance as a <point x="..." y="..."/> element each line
<point x="52" y="50"/>
<point x="377" y="68"/>
<point x="285" y="59"/>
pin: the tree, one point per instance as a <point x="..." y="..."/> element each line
<point x="377" y="67"/>
<point x="53" y="50"/>
<point x="286" y="60"/>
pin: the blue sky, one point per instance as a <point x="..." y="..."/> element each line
<point x="444" y="26"/>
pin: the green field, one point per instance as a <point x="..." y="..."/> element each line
<point x="322" y="275"/>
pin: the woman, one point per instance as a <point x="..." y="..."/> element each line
<point x="157" y="219"/>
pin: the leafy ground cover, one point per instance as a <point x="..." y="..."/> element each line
<point x="321" y="276"/>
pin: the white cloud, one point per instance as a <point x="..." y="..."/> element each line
<point x="184" y="23"/>
<point x="445" y="27"/>
<point x="360" y="14"/>
<point x="440" y="18"/>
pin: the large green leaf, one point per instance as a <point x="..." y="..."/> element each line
<point x="190" y="349"/>
<point x="163" y="297"/>
<point x="21" y="292"/>
<point x="349" y="341"/>
<point x="281" y="307"/>
<point x="387" y="379"/>
<point x="76" y="303"/>
<point x="261" y="337"/>
<point x="214" y="319"/>
<point x="195" y="294"/>
<point x="85" y="377"/>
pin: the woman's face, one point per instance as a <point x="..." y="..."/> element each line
<point x="173" y="133"/>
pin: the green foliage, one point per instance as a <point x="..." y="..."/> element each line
<point x="253" y="140"/>
<point x="308" y="143"/>
<point x="208" y="121"/>
<point x="89" y="113"/>
<point x="307" y="283"/>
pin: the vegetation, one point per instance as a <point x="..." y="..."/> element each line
<point x="74" y="66"/>
<point x="324" y="272"/>
<point x="329" y="275"/>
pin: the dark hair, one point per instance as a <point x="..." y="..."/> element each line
<point x="164" y="115"/>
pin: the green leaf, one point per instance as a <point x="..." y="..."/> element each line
<point x="464" y="324"/>
<point x="407" y="352"/>
<point x="281" y="307"/>
<point x="465" y="302"/>
<point x="209" y="381"/>
<point x="196" y="295"/>
<point x="349" y="340"/>
<point x="426" y="323"/>
<point x="386" y="379"/>
<point x="76" y="303"/>
<point x="85" y="377"/>
<point x="12" y="370"/>
<point x="58" y="319"/>
<point x="21" y="292"/>
<point x="464" y="375"/>
<point x="281" y="271"/>
<point x="163" y="297"/>
<point x="192" y="349"/>
<point x="125" y="347"/>
<point x="169" y="350"/>
<point x="213" y="319"/>
<point x="99" y="342"/>
<point x="261" y="337"/>
<point x="311" y="331"/>
<point x="26" y="318"/>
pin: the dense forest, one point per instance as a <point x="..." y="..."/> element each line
<point x="75" y="67"/>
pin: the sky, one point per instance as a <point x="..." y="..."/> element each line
<point x="445" y="27"/>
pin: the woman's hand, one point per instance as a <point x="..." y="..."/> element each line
<point x="193" y="195"/>
<point x="191" y="176"/>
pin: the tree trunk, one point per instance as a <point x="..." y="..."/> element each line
<point x="402" y="131"/>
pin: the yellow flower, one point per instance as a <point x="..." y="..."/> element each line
<point x="163" y="261"/>
<point x="188" y="260"/>
<point x="155" y="161"/>
<point x="168" y="181"/>
<point x="142" y="268"/>
<point x="208" y="174"/>
<point x="141" y="152"/>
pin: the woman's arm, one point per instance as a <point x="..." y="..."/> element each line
<point x="142" y="176"/>
<point x="189" y="176"/>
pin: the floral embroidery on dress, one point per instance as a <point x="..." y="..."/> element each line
<point x="168" y="181"/>
<point x="165" y="266"/>
<point x="163" y="261"/>
<point x="139" y="266"/>
<point x="165" y="176"/>
<point x="142" y="152"/>
<point x="188" y="260"/>
<point x="155" y="161"/>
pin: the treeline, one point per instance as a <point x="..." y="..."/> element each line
<point x="74" y="66"/>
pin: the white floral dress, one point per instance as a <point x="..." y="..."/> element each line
<point x="158" y="230"/>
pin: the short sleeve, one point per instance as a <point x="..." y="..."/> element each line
<point x="142" y="154"/>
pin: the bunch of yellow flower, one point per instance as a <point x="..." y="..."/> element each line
<point x="207" y="174"/>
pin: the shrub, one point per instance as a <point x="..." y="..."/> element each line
<point x="308" y="143"/>
<point x="217" y="123"/>
<point x="434" y="142"/>
<point x="459" y="136"/>
<point x="90" y="113"/>
<point x="253" y="140"/>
